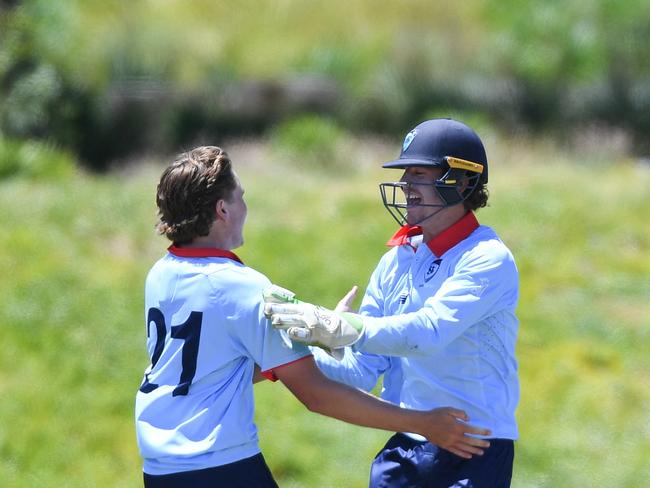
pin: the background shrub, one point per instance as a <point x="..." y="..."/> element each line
<point x="111" y="83"/>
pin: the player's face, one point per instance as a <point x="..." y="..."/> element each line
<point x="237" y="212"/>
<point x="420" y="192"/>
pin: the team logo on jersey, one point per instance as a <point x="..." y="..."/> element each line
<point x="409" y="139"/>
<point x="433" y="269"/>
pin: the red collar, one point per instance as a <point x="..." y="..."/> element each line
<point x="453" y="234"/>
<point x="402" y="235"/>
<point x="444" y="241"/>
<point x="203" y="252"/>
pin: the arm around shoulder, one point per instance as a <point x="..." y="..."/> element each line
<point x="444" y="427"/>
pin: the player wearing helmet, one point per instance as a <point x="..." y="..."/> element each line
<point x="207" y="335"/>
<point x="444" y="159"/>
<point x="438" y="316"/>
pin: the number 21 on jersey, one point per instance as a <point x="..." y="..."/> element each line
<point x="190" y="333"/>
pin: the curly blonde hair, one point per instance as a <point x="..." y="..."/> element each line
<point x="189" y="190"/>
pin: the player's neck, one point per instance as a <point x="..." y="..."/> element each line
<point x="216" y="240"/>
<point x="442" y="221"/>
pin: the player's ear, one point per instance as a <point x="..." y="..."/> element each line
<point x="221" y="212"/>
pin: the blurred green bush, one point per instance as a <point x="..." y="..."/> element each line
<point x="111" y="82"/>
<point x="33" y="160"/>
<point x="311" y="140"/>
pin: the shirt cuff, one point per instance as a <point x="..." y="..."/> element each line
<point x="358" y="346"/>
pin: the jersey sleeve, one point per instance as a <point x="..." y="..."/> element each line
<point x="484" y="282"/>
<point x="359" y="370"/>
<point x="253" y="332"/>
<point x="271" y="350"/>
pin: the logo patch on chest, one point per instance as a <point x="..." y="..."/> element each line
<point x="433" y="269"/>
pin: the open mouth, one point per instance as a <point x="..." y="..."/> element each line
<point x="412" y="198"/>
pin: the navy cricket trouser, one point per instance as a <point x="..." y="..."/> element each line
<point x="406" y="462"/>
<point x="247" y="473"/>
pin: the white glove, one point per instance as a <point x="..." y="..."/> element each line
<point x="311" y="324"/>
<point x="277" y="294"/>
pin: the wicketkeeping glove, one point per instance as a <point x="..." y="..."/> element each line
<point x="312" y="324"/>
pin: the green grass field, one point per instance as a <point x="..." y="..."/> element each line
<point x="74" y="254"/>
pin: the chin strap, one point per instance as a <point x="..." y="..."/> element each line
<point x="439" y="209"/>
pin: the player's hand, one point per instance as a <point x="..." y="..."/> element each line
<point x="345" y="304"/>
<point x="276" y="296"/>
<point x="315" y="325"/>
<point x="446" y="428"/>
<point x="311" y="324"/>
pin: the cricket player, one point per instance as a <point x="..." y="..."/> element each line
<point x="438" y="316"/>
<point x="209" y="340"/>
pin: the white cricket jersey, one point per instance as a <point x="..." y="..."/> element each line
<point x="441" y="327"/>
<point x="205" y="332"/>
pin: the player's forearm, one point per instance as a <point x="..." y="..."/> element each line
<point x="342" y="402"/>
<point x="360" y="408"/>
<point x="322" y="395"/>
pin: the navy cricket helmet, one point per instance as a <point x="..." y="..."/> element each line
<point x="432" y="141"/>
<point x="446" y="144"/>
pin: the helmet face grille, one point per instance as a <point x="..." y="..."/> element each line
<point x="390" y="196"/>
<point x="453" y="187"/>
<point x="394" y="196"/>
